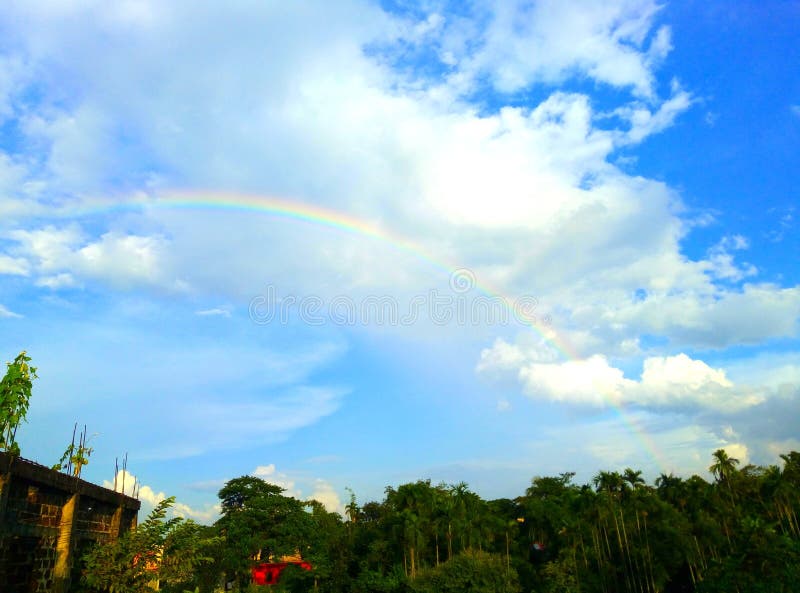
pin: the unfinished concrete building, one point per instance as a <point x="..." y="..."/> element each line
<point x="48" y="520"/>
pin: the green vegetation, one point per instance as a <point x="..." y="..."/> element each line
<point x="15" y="395"/>
<point x="170" y="552"/>
<point x="737" y="533"/>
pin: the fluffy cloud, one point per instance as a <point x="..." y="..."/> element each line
<point x="318" y="489"/>
<point x="59" y="253"/>
<point x="129" y="484"/>
<point x="717" y="318"/>
<point x="321" y="490"/>
<point x="13" y="265"/>
<point x="665" y="382"/>
<point x="505" y="191"/>
<point x="721" y="260"/>
<point x="526" y="43"/>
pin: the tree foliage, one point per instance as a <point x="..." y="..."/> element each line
<point x="161" y="551"/>
<point x="15" y="394"/>
<point x="259" y="523"/>
<point x="471" y="571"/>
<point x="738" y="532"/>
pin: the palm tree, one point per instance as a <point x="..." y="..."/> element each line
<point x="351" y="509"/>
<point x="791" y="467"/>
<point x="634" y="478"/>
<point x="724" y="466"/>
<point x="671" y="489"/>
<point x="611" y="482"/>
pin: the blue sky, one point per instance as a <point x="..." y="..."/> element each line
<point x="628" y="167"/>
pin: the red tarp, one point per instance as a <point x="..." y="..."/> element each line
<point x="269" y="573"/>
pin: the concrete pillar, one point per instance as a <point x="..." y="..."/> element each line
<point x="64" y="546"/>
<point x="116" y="522"/>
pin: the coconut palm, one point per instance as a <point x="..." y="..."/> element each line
<point x="633" y="477"/>
<point x="611" y="482"/>
<point x="724" y="466"/>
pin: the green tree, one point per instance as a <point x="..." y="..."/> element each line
<point x="157" y="551"/>
<point x="15" y="394"/>
<point x="633" y="477"/>
<point x="724" y="466"/>
<point x="259" y="523"/>
<point x="471" y="571"/>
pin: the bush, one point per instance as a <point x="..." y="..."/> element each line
<point x="468" y="572"/>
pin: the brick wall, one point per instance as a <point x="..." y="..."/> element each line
<point x="46" y="519"/>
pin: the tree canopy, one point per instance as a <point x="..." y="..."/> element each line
<point x="618" y="534"/>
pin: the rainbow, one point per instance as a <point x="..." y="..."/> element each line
<point x="319" y="216"/>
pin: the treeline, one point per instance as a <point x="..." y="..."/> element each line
<point x="737" y="532"/>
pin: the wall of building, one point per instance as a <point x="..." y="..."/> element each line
<point x="48" y="520"/>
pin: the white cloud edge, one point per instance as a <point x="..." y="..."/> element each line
<point x="7" y="313"/>
<point x="665" y="381"/>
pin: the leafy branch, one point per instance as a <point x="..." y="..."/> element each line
<point x="15" y="395"/>
<point x="162" y="550"/>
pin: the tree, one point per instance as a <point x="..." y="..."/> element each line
<point x="610" y="482"/>
<point x="15" y="395"/>
<point x="471" y="571"/>
<point x="258" y="523"/>
<point x="723" y="466"/>
<point x="167" y="552"/>
<point x="633" y="477"/>
<point x="239" y="493"/>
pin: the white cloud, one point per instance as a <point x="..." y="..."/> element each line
<point x="644" y="122"/>
<point x="591" y="381"/>
<point x="655" y="442"/>
<point x="5" y="312"/>
<point x="778" y="371"/>
<point x="215" y="312"/>
<point x="525" y="196"/>
<point x="245" y="421"/>
<point x="57" y="281"/>
<point x="13" y="76"/>
<point x="737" y="451"/>
<point x="721" y="260"/>
<point x="14" y="265"/>
<point x="321" y="490"/>
<point x="782" y="447"/>
<point x="672" y="381"/>
<point x="505" y="357"/>
<point x="719" y="318"/>
<point x="129" y="484"/>
<point x="552" y="41"/>
<point x="324" y="492"/>
<point x="122" y="260"/>
<point x="268" y="473"/>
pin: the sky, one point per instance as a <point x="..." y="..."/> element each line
<point x="356" y="244"/>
